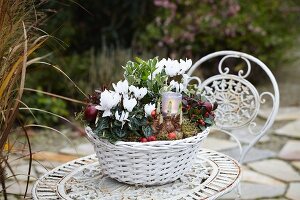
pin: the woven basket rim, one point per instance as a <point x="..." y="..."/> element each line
<point x="153" y="144"/>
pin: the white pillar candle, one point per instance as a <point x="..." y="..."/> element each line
<point x="171" y="103"/>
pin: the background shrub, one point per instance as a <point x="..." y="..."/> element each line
<point x="195" y="28"/>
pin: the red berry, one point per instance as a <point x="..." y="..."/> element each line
<point x="208" y="106"/>
<point x="172" y="136"/>
<point x="188" y="107"/>
<point x="206" y="114"/>
<point x="153" y="113"/>
<point x="143" y="140"/>
<point x="90" y="113"/>
<point x="151" y="138"/>
<point x="201" y="122"/>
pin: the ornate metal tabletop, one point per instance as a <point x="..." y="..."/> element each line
<point x="212" y="175"/>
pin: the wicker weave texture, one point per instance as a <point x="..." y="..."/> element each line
<point x="151" y="163"/>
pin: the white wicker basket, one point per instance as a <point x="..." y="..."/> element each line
<point x="150" y="163"/>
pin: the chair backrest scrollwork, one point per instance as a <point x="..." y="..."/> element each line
<point x="238" y="99"/>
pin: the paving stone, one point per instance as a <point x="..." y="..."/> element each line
<point x="256" y="191"/>
<point x="293" y="191"/>
<point x="218" y="144"/>
<point x="17" y="161"/>
<point x="276" y="168"/>
<point x="255" y="177"/>
<point x="285" y="113"/>
<point x="291" y="150"/>
<point x="244" y="136"/>
<point x="292" y="129"/>
<point x="18" y="189"/>
<point x="41" y="170"/>
<point x="49" y="164"/>
<point x="13" y="197"/>
<point x="80" y="150"/>
<point x="254" y="154"/>
<point x="296" y="164"/>
<point x="21" y="173"/>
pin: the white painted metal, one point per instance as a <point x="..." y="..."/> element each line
<point x="212" y="175"/>
<point x="239" y="101"/>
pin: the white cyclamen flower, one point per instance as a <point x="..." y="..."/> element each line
<point x="178" y="86"/>
<point x="149" y="108"/>
<point x="172" y="67"/>
<point x="185" y="65"/>
<point x="122" y="118"/>
<point x="129" y="104"/>
<point x="108" y="100"/>
<point x="139" y="93"/>
<point x="121" y="87"/>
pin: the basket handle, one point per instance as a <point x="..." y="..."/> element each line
<point x="90" y="135"/>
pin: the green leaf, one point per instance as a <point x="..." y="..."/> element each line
<point x="134" y="124"/>
<point x="202" y="111"/>
<point x="208" y="121"/>
<point x="102" y="124"/>
<point x="143" y="122"/>
<point x="139" y="60"/>
<point x="119" y="132"/>
<point x="136" y="133"/>
<point x="130" y="79"/>
<point x="147" y="130"/>
<point x="139" y="116"/>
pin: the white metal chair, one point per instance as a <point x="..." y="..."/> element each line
<point x="238" y="99"/>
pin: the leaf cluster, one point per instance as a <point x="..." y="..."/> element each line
<point x="139" y="73"/>
<point x="195" y="107"/>
<point x="113" y="130"/>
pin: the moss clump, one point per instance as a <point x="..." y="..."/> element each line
<point x="188" y="128"/>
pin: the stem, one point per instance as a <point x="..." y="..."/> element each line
<point x="2" y="176"/>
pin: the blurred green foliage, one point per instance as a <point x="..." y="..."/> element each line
<point x="84" y="24"/>
<point x="101" y="36"/>
<point x="44" y="102"/>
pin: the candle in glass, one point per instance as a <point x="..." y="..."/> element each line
<point x="171" y="103"/>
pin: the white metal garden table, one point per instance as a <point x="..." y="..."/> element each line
<point x="212" y="175"/>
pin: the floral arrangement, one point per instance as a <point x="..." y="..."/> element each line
<point x="143" y="107"/>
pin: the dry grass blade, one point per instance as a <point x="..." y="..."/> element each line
<point x="30" y="159"/>
<point x="15" y="66"/>
<point x="58" y="69"/>
<point x="55" y="95"/>
<point x="53" y="129"/>
<point x="45" y="111"/>
<point x="18" y="40"/>
<point x="28" y="110"/>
